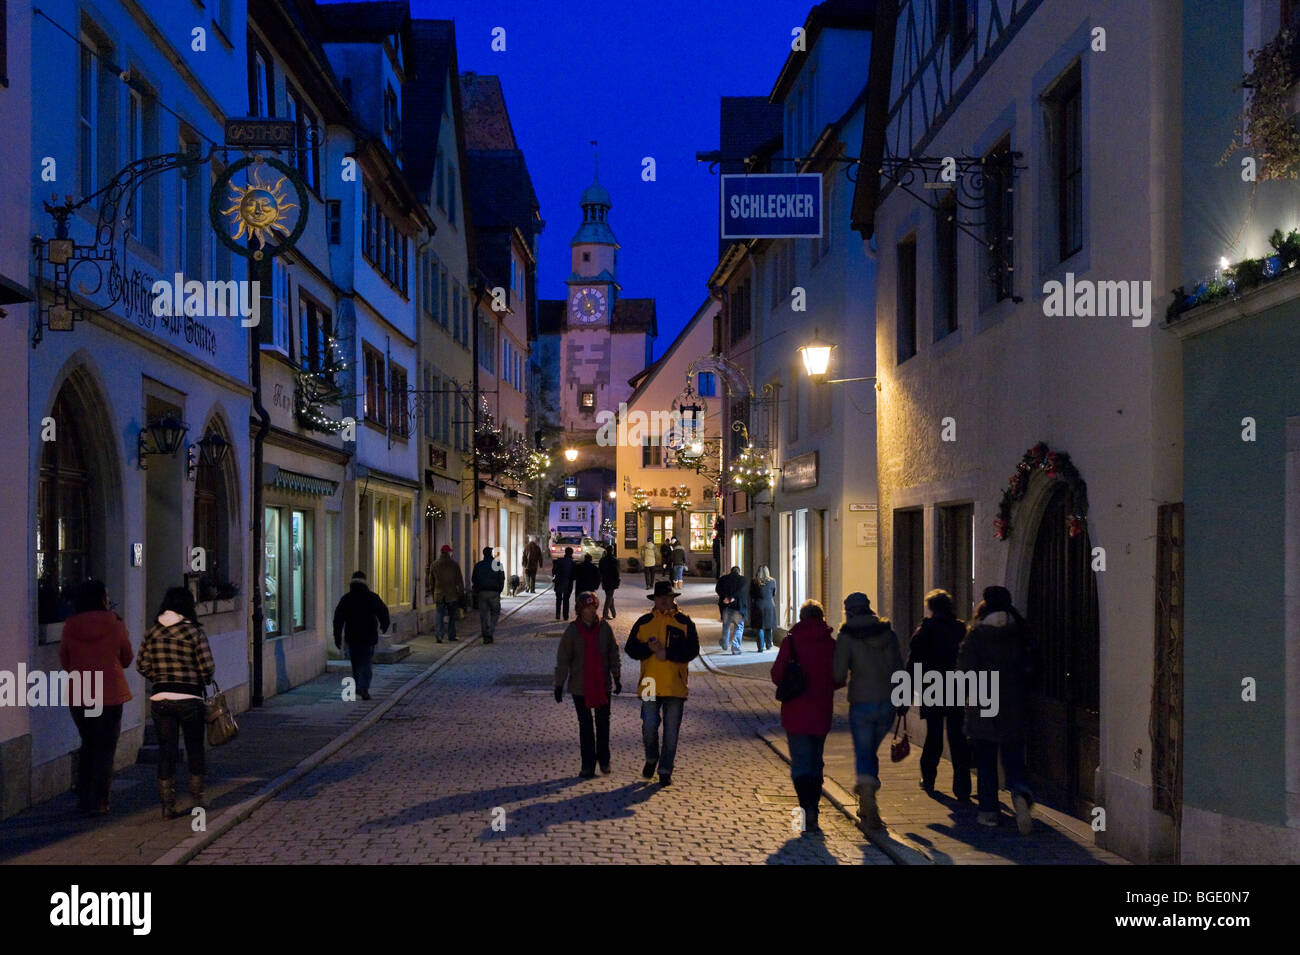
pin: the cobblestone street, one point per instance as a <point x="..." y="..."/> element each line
<point x="483" y="736"/>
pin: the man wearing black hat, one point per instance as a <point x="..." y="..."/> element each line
<point x="665" y="641"/>
<point x="488" y="580"/>
<point x="998" y="643"/>
<point x="359" y="618"/>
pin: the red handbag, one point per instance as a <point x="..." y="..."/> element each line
<point x="899" y="749"/>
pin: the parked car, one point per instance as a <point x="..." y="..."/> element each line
<point x="589" y="546"/>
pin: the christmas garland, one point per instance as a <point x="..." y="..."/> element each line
<point x="1057" y="464"/>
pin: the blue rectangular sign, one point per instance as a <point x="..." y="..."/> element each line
<point x="772" y="206"/>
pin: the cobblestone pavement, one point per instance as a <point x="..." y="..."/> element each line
<point x="483" y="740"/>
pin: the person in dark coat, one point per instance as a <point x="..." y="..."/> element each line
<point x="666" y="557"/>
<point x="733" y="601"/>
<point x="762" y="608"/>
<point x="586" y="576"/>
<point x="487" y="580"/>
<point x="934" y="647"/>
<point x="678" y="568"/>
<point x="609" y="582"/>
<point x="562" y="580"/>
<point x="807" y="718"/>
<point x="588" y="661"/>
<point x="532" y="563"/>
<point x="998" y="642"/>
<point x="359" y="618"/>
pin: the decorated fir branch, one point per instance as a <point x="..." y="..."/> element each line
<point x="1056" y="464"/>
<point x="640" y="501"/>
<point x="750" y="472"/>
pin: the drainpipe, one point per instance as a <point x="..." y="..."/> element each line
<point x="262" y="273"/>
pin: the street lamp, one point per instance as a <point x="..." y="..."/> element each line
<point x="816" y="355"/>
<point x="165" y="435"/>
<point x="817" y="360"/>
<point x="570" y="454"/>
<point x="613" y="495"/>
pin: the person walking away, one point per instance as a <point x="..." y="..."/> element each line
<point x="448" y="592"/>
<point x="666" y="557"/>
<point x="532" y="563"/>
<point x="609" y="582"/>
<point x="665" y="642"/>
<point x="762" y="608"/>
<point x="358" y="619"/>
<point x="998" y="642"/>
<point x="586" y="576"/>
<point x="806" y="719"/>
<point x="95" y="646"/>
<point x="733" y="601"/>
<point x="867" y="655"/>
<point x="176" y="659"/>
<point x="562" y="579"/>
<point x="934" y="647"/>
<point x="679" y="565"/>
<point x="487" y="580"/>
<point x="588" y="661"/>
<point x="649" y="557"/>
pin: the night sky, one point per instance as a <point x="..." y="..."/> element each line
<point x="643" y="79"/>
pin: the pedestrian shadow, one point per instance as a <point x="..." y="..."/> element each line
<point x="535" y="818"/>
<point x="484" y="801"/>
<point x="327" y="774"/>
<point x="801" y="850"/>
<point x="1044" y="844"/>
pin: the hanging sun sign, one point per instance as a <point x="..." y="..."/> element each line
<point x="251" y="211"/>
<point x="772" y="206"/>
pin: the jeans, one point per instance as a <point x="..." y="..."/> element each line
<point x="489" y="609"/>
<point x="649" y="576"/>
<point x="986" y="771"/>
<point x="870" y="724"/>
<point x="593" y="740"/>
<point x="98" y="746"/>
<point x="170" y="719"/>
<point x="608" y="610"/>
<point x="362" y="655"/>
<point x="677" y="572"/>
<point x="668" y="711"/>
<point x="935" y="720"/>
<point x="805" y="754"/>
<point x="531" y="577"/>
<point x="764" y="638"/>
<point x="733" y="627"/>
<point x="562" y="601"/>
<point x="446" y="620"/>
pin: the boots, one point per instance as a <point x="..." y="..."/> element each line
<point x="809" y="791"/>
<point x="167" y="796"/>
<point x="868" y="812"/>
<point x="197" y="796"/>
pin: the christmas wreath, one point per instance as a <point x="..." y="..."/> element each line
<point x="1058" y="465"/>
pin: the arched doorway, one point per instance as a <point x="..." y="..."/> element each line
<point x="1063" y="718"/>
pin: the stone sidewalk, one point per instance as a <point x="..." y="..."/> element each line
<point x="921" y="828"/>
<point x="272" y="740"/>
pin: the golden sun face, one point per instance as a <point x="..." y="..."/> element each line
<point x="258" y="209"/>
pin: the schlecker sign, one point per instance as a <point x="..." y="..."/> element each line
<point x="772" y="206"/>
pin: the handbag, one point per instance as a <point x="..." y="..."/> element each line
<point x="899" y="748"/>
<point x="793" y="680"/>
<point x="222" y="727"/>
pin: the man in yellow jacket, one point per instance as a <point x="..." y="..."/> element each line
<point x="665" y="642"/>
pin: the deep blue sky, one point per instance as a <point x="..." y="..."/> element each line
<point x="644" y="79"/>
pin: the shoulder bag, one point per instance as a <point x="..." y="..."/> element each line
<point x="793" y="681"/>
<point x="222" y="727"/>
<point x="899" y="748"/>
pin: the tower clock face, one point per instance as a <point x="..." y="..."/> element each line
<point x="588" y="306"/>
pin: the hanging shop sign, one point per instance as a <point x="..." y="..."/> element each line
<point x="250" y="210"/>
<point x="262" y="133"/>
<point x="800" y="473"/>
<point x="772" y="206"/>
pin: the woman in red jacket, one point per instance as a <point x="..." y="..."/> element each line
<point x="95" y="641"/>
<point x="807" y="718"/>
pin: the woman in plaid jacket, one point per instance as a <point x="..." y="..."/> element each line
<point x="176" y="659"/>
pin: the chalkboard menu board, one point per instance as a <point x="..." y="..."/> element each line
<point x="629" y="530"/>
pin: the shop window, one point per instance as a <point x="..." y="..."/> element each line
<point x="701" y="531"/>
<point x="661" y="527"/>
<point x="213" y="516"/>
<point x="271" y="574"/>
<point x="63" y="514"/>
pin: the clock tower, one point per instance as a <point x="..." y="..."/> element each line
<point x="593" y="286"/>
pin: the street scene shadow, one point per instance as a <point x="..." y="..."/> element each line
<point x="325" y="775"/>
<point x="534" y="818"/>
<point x="801" y="851"/>
<point x="483" y="801"/>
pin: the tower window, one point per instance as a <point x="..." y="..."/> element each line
<point x="588" y="400"/>
<point x="586" y="256"/>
